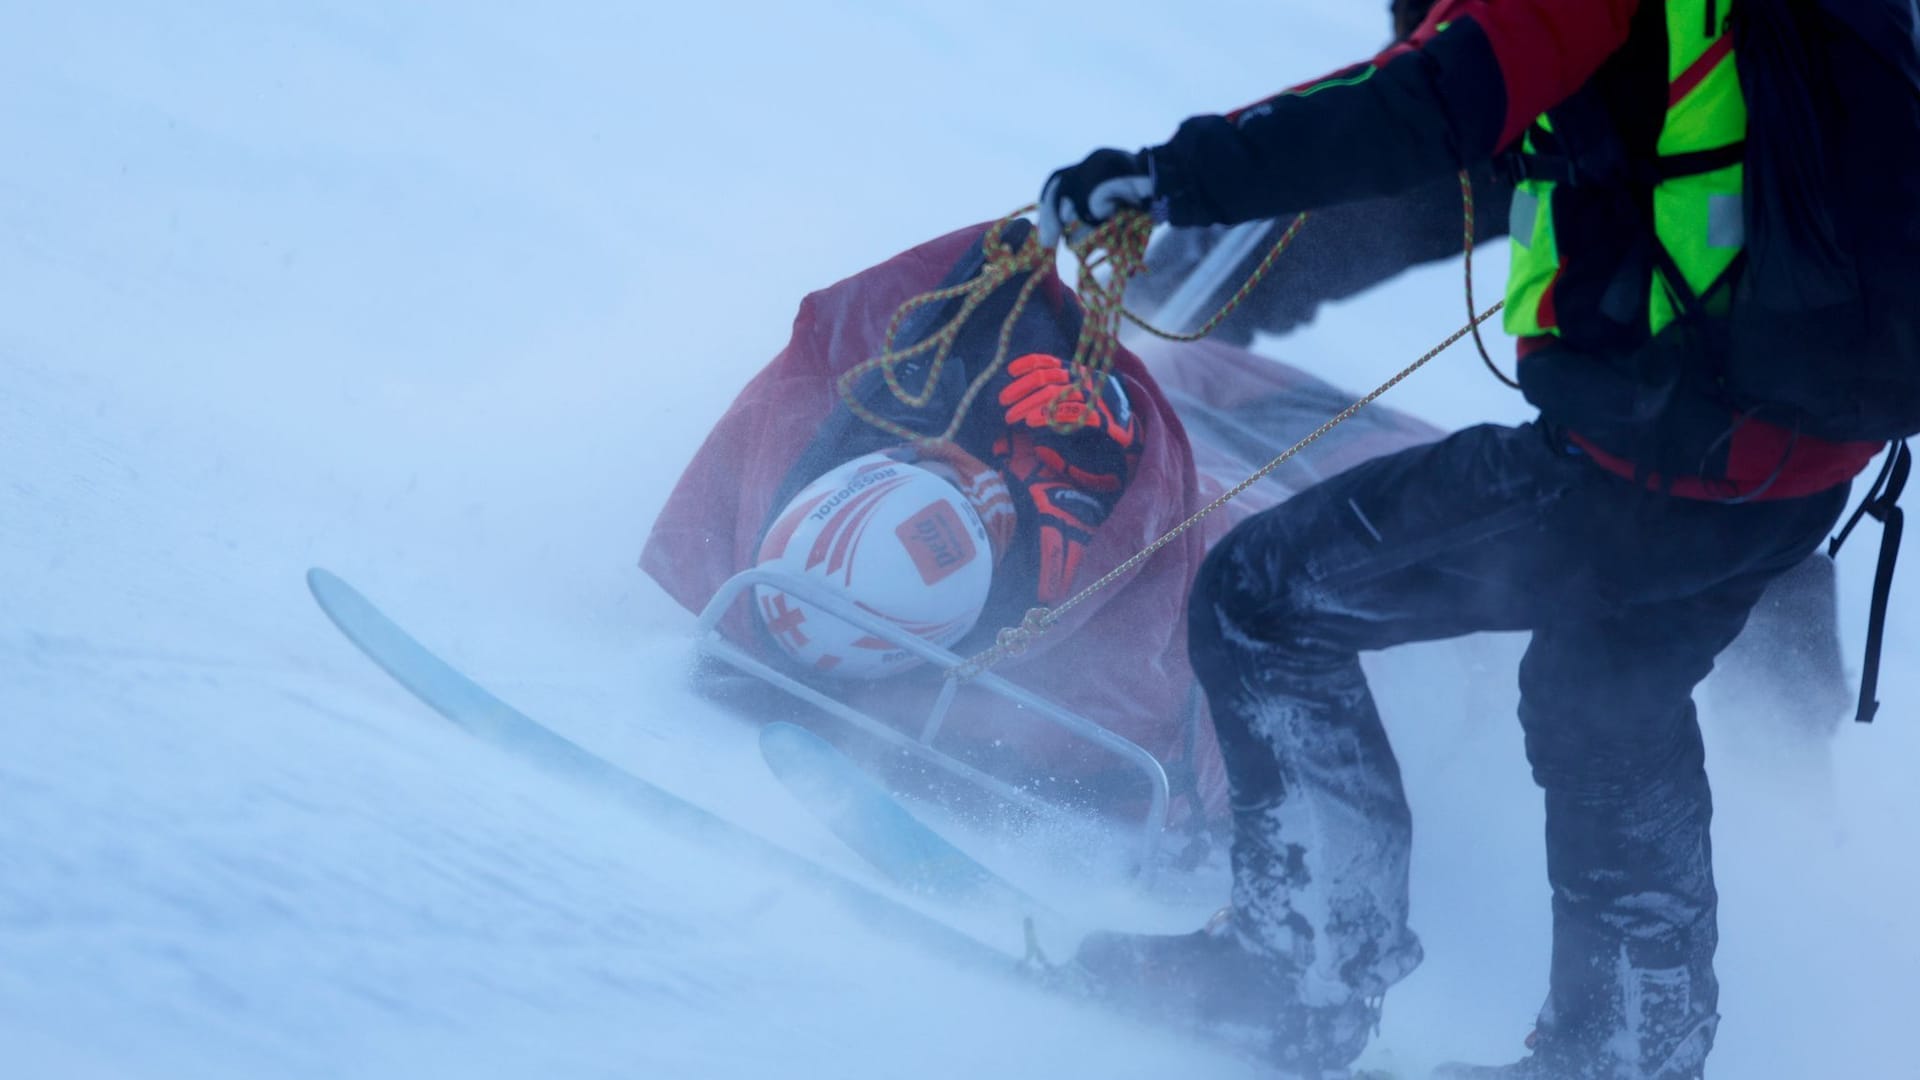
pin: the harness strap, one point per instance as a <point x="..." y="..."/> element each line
<point x="1564" y="169"/>
<point x="1697" y="162"/>
<point x="1882" y="504"/>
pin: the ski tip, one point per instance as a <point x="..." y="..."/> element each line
<point x="785" y="733"/>
<point x="320" y="579"/>
<point x="333" y="594"/>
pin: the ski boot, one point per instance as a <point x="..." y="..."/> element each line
<point x="1535" y="1067"/>
<point x="1547" y="1062"/>
<point x="1208" y="983"/>
<point x="1528" y="1068"/>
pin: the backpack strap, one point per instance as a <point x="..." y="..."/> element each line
<point x="1696" y="162"/>
<point x="1881" y="503"/>
<point x="1612" y="167"/>
<point x="1555" y="168"/>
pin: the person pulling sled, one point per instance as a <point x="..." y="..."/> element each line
<point x="1715" y="245"/>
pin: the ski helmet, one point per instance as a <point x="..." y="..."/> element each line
<point x="899" y="541"/>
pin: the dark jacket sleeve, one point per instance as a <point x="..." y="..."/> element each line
<point x="1465" y="86"/>
<point x="1342" y="251"/>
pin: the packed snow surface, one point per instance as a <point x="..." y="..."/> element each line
<point x="443" y="295"/>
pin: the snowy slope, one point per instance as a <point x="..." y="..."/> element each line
<point x="443" y="295"/>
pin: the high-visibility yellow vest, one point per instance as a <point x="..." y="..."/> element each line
<point x="1697" y="216"/>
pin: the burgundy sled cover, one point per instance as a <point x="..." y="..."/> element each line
<point x="1120" y="657"/>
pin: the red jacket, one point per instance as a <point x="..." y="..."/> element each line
<point x="1461" y="90"/>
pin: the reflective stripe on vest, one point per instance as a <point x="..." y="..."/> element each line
<point x="1698" y="218"/>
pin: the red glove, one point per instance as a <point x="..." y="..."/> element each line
<point x="1071" y="457"/>
<point x="1068" y="505"/>
<point x="1040" y="385"/>
<point x="1044" y="394"/>
<point x="1068" y="516"/>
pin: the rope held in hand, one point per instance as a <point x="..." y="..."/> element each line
<point x="1108" y="255"/>
<point x="1013" y="640"/>
<point x="1466" y="201"/>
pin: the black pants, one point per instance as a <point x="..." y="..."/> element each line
<point x="1630" y="594"/>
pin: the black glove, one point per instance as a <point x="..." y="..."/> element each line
<point x="1093" y="191"/>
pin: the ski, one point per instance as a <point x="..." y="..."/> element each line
<point x="851" y="803"/>
<point x="871" y="820"/>
<point x="475" y="710"/>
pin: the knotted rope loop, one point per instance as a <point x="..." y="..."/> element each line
<point x="1108" y="256"/>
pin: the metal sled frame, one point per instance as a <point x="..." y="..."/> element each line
<point x="1199" y="293"/>
<point x="710" y="642"/>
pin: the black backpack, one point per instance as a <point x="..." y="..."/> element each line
<point x="1826" y="311"/>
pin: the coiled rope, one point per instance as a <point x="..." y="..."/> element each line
<point x="1108" y="256"/>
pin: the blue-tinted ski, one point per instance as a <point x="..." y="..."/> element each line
<point x="479" y="713"/>
<point x="892" y="839"/>
<point x="876" y="826"/>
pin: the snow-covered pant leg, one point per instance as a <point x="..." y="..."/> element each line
<point x="1614" y="744"/>
<point x="1631" y="595"/>
<point x="1408" y="547"/>
<point x="1320" y="848"/>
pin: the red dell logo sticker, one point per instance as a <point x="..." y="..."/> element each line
<point x="938" y="541"/>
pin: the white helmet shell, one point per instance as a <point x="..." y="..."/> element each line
<point x="894" y="538"/>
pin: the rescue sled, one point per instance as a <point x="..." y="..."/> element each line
<point x="1106" y="698"/>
